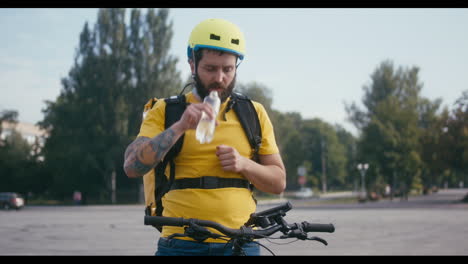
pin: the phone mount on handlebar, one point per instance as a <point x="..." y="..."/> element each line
<point x="270" y="216"/>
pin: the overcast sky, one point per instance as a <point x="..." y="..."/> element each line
<point x="312" y="59"/>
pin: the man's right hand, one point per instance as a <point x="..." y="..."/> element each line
<point x="193" y="114"/>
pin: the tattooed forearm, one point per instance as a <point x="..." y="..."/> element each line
<point x="145" y="153"/>
<point x="134" y="167"/>
<point x="135" y="145"/>
<point x="161" y="144"/>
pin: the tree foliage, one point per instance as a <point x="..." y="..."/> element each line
<point x="402" y="133"/>
<point x="306" y="143"/>
<point x="455" y="141"/>
<point x="20" y="168"/>
<point x="117" y="68"/>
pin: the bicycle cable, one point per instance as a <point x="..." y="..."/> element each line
<point x="279" y="244"/>
<point x="253" y="241"/>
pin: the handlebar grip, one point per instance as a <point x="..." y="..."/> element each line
<point x="308" y="227"/>
<point x="161" y="221"/>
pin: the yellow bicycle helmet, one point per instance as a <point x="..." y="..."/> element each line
<point x="217" y="34"/>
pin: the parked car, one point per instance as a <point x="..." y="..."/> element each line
<point x="304" y="192"/>
<point x="11" y="200"/>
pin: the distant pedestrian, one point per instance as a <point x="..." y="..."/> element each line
<point x="77" y="197"/>
<point x="387" y="190"/>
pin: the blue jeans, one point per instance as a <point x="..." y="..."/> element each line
<point x="178" y="247"/>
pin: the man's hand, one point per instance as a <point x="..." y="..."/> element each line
<point x="230" y="159"/>
<point x="193" y="114"/>
<point x="269" y="175"/>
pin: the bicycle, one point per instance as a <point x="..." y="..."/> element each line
<point x="260" y="225"/>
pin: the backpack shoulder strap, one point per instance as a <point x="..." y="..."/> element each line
<point x="175" y="107"/>
<point x="248" y="118"/>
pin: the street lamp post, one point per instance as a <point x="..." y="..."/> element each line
<point x="362" y="167"/>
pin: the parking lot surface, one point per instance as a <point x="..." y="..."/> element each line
<point x="429" y="225"/>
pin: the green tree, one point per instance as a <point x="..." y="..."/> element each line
<point x="14" y="154"/>
<point x="349" y="143"/>
<point x="455" y="137"/>
<point x="14" y="163"/>
<point x="257" y="92"/>
<point x="21" y="169"/>
<point x="10" y="116"/>
<point x="389" y="127"/>
<point x="325" y="152"/>
<point x="432" y="147"/>
<point x="153" y="69"/>
<point x="285" y="125"/>
<point x="300" y="142"/>
<point x="293" y="157"/>
<point x="117" y="69"/>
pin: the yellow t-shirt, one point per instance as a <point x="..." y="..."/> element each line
<point x="230" y="207"/>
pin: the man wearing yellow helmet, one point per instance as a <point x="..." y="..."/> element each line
<point x="214" y="48"/>
<point x="219" y="36"/>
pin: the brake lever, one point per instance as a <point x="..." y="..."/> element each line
<point x="299" y="234"/>
<point x="319" y="239"/>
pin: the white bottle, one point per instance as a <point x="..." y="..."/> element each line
<point x="206" y="126"/>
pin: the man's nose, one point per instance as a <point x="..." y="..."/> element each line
<point x="219" y="76"/>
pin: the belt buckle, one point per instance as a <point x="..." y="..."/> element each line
<point x="209" y="182"/>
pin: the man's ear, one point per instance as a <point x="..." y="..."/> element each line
<point x="192" y="66"/>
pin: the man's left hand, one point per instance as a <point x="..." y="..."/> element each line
<point x="230" y="158"/>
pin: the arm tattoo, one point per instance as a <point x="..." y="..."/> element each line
<point x="140" y="168"/>
<point x="162" y="143"/>
<point x="144" y="153"/>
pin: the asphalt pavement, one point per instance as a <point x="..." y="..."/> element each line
<point x="423" y="225"/>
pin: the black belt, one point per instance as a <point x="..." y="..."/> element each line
<point x="209" y="182"/>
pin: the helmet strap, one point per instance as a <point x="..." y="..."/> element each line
<point x="195" y="64"/>
<point x="240" y="61"/>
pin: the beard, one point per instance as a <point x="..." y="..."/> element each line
<point x="203" y="91"/>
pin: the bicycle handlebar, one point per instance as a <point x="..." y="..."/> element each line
<point x="260" y="225"/>
<point x="247" y="231"/>
<point x="176" y="221"/>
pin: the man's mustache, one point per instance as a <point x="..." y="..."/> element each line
<point x="216" y="85"/>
